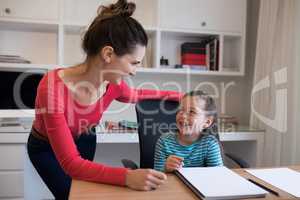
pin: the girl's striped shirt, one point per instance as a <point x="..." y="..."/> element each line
<point x="205" y="152"/>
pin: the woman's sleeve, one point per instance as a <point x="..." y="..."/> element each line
<point x="65" y="150"/>
<point x="132" y="95"/>
<point x="160" y="155"/>
<point x="214" y="157"/>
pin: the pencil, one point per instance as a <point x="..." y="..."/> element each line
<point x="264" y="187"/>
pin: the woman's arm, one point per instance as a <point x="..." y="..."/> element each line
<point x="65" y="150"/>
<point x="132" y="95"/>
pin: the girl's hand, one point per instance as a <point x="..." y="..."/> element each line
<point x="173" y="163"/>
<point x="145" y="179"/>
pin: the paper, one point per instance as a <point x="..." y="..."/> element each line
<point x="221" y="183"/>
<point x="283" y="178"/>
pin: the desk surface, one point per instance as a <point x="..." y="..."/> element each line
<point x="173" y="189"/>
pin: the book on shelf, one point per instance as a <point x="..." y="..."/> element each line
<point x="193" y="53"/>
<point x="195" y="67"/>
<point x="191" y="67"/>
<point x="212" y="54"/>
<point x="227" y="123"/>
<point x="202" y="53"/>
<point x="228" y="119"/>
<point x="13" y="59"/>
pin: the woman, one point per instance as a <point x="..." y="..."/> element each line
<point x="72" y="100"/>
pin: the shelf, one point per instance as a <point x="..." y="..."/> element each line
<point x="232" y="52"/>
<point x="23" y="67"/>
<point x="187" y="72"/>
<point x="28" y="25"/>
<point x="73" y="28"/>
<point x="192" y="32"/>
<point x="62" y="34"/>
<point x="171" y="42"/>
<point x="76" y="28"/>
<point x="43" y="67"/>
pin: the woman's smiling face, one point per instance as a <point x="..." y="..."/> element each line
<point x="121" y="66"/>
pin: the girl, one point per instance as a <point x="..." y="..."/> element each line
<point x="72" y="100"/>
<point x="196" y="143"/>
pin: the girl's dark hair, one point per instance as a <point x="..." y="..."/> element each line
<point x="114" y="27"/>
<point x="210" y="109"/>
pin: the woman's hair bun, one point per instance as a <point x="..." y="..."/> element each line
<point x="115" y="27"/>
<point x="120" y="8"/>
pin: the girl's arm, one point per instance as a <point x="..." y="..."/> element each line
<point x="132" y="95"/>
<point x="214" y="157"/>
<point x="160" y="156"/>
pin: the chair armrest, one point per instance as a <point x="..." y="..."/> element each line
<point x="129" y="164"/>
<point x="242" y="163"/>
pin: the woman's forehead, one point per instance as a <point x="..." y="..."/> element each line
<point x="138" y="53"/>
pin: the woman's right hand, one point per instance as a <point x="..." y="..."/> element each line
<point x="173" y="163"/>
<point x="145" y="179"/>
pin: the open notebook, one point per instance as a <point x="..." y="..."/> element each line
<point x="282" y="178"/>
<point x="218" y="183"/>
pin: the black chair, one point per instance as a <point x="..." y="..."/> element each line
<point x="157" y="117"/>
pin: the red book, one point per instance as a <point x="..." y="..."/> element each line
<point x="193" y="59"/>
<point x="193" y="56"/>
<point x="193" y="62"/>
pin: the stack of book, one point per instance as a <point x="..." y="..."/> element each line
<point x="227" y="123"/>
<point x="202" y="55"/>
<point x="122" y="126"/>
<point x="13" y="59"/>
<point x="193" y="54"/>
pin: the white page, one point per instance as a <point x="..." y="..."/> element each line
<point x="220" y="182"/>
<point x="282" y="178"/>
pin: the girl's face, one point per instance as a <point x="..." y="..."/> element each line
<point x="118" y="67"/>
<point x="191" y="119"/>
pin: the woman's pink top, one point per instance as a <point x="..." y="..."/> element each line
<point x="61" y="119"/>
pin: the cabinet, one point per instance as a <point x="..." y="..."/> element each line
<point x="213" y="15"/>
<point x="81" y="12"/>
<point x="53" y="31"/>
<point x="30" y="9"/>
<point x="12" y="170"/>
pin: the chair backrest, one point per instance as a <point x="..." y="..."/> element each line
<point x="154" y="117"/>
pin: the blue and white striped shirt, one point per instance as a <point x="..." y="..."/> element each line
<point x="205" y="152"/>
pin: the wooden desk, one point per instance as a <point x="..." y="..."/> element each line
<point x="173" y="189"/>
